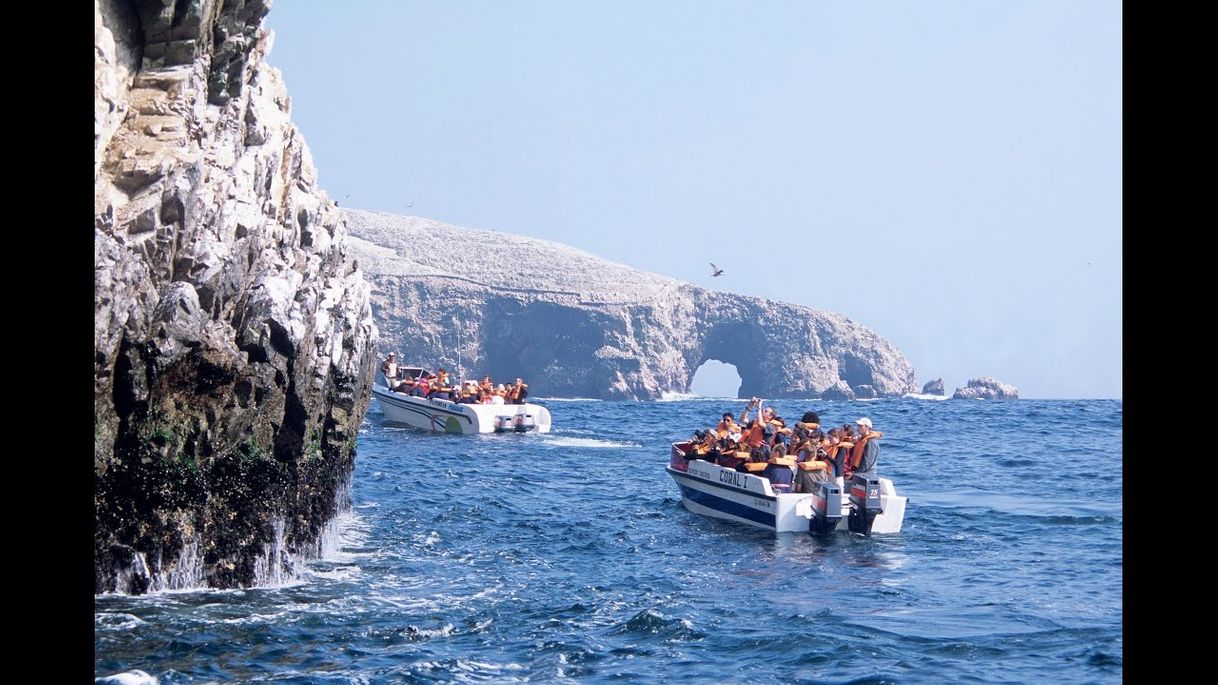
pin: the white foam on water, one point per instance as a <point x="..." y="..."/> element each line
<point x="410" y="603"/>
<point x="118" y="622"/>
<point x="569" y="399"/>
<point x="338" y="573"/>
<point x="586" y="442"/>
<point x="346" y="676"/>
<point x="258" y="619"/>
<point x="920" y="396"/>
<point x="690" y="397"/>
<point x="132" y="677"/>
<point x="477" y="668"/>
<point x="201" y="590"/>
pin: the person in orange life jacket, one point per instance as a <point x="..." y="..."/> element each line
<point x="497" y="397"/>
<point x="780" y="469"/>
<point x="866" y="450"/>
<point x="423" y="386"/>
<point x="775" y="428"/>
<point x="440" y="388"/>
<point x="754" y="441"/>
<point x="753" y="437"/>
<point x="836" y="453"/>
<point x="702" y="446"/>
<point x="807" y="424"/>
<point x="727" y="425"/>
<point x="518" y="392"/>
<point x="813" y="468"/>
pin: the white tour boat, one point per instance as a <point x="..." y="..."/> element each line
<point x="871" y="505"/>
<point x="442" y="416"/>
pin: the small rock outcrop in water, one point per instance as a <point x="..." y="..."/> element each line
<point x="934" y="387"/>
<point x="864" y="392"/>
<point x="233" y="339"/>
<point x="576" y="325"/>
<point x="986" y="388"/>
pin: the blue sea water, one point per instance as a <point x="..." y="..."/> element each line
<point x="568" y="557"/>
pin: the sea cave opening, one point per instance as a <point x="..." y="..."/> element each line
<point x="715" y="379"/>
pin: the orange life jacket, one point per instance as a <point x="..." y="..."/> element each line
<point x="856" y="454"/>
<point x="754" y="436"/>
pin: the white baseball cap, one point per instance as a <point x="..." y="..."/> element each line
<point x="864" y="422"/>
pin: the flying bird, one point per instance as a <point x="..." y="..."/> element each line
<point x="717" y="271"/>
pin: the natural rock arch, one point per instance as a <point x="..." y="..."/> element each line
<point x="575" y="325"/>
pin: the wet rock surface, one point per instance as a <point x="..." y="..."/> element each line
<point x="233" y="337"/>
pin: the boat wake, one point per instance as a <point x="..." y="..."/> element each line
<point x="586" y="442"/>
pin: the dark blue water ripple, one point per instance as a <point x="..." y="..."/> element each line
<point x="560" y="557"/>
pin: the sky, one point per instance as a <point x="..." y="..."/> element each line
<point x="946" y="173"/>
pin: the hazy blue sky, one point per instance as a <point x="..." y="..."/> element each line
<point x="945" y="173"/>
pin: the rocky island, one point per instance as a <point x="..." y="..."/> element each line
<point x="986" y="388"/>
<point x="577" y="325"/>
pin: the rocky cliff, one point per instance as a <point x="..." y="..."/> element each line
<point x="234" y="340"/>
<point x="576" y="325"/>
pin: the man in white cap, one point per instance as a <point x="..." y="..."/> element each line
<point x="389" y="367"/>
<point x="866" y="451"/>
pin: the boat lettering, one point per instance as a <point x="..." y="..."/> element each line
<point x="761" y="503"/>
<point x="734" y="478"/>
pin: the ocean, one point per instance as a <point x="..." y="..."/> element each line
<point x="568" y="557"/>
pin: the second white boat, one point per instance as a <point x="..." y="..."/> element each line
<point x="443" y="416"/>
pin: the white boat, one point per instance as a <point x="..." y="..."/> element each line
<point x="443" y="416"/>
<point x="871" y="505"/>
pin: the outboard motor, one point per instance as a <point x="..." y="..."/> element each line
<point x="864" y="502"/>
<point x="524" y="423"/>
<point x="826" y="508"/>
<point x="503" y="423"/>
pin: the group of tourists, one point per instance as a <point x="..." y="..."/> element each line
<point x="794" y="458"/>
<point x="439" y="385"/>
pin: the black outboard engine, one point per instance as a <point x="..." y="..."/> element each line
<point x="826" y="508"/>
<point x="864" y="502"/>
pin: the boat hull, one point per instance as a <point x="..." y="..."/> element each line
<point x="712" y="490"/>
<point x="442" y="416"/>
